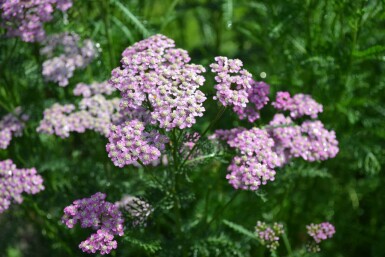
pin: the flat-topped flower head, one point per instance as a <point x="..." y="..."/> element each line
<point x="160" y="78"/>
<point x="130" y="143"/>
<point x="269" y="235"/>
<point x="75" y="54"/>
<point x="25" y="19"/>
<point x="94" y="112"/>
<point x="11" y="125"/>
<point x="96" y="213"/>
<point x="299" y="105"/>
<point x="95" y="88"/>
<point x="256" y="160"/>
<point x="319" y="232"/>
<point x="233" y="82"/>
<point x="14" y="182"/>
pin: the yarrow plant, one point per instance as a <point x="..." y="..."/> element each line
<point x="269" y="235"/>
<point x="11" y="125"/>
<point x="96" y="213"/>
<point x="75" y="54"/>
<point x="14" y="182"/>
<point x="319" y="232"/>
<point x="25" y="19"/>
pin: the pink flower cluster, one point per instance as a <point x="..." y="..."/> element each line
<point x="233" y="82"/>
<point x="299" y="105"/>
<point x="130" y="143"/>
<point x="254" y="166"/>
<point x="95" y="113"/>
<point x="319" y="232"/>
<point x="60" y="69"/>
<point x="25" y="19"/>
<point x="264" y="149"/>
<point x="136" y="209"/>
<point x="158" y="77"/>
<point x="257" y="99"/>
<point x="11" y="125"/>
<point x="95" y="88"/>
<point x="96" y="213"/>
<point x="269" y="235"/>
<point x="310" y="140"/>
<point x="14" y="182"/>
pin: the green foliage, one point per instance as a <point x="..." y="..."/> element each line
<point x="331" y="49"/>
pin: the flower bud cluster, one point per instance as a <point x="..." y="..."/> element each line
<point x="233" y="82"/>
<point x="25" y="19"/>
<point x="130" y="143"/>
<point x="159" y="77"/>
<point x="137" y="210"/>
<point x="299" y="105"/>
<point x="254" y="166"/>
<point x="269" y="235"/>
<point x="60" y="69"/>
<point x="96" y="213"/>
<point x="11" y="125"/>
<point x="14" y="182"/>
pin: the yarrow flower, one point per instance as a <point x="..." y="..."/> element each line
<point x="160" y="78"/>
<point x="310" y="140"/>
<point x="25" y="19"/>
<point x="269" y="235"/>
<point x="255" y="164"/>
<point x="96" y="213"/>
<point x="136" y="209"/>
<point x="95" y="88"/>
<point x="60" y="69"/>
<point x="130" y="143"/>
<point x="319" y="232"/>
<point x="233" y="82"/>
<point x="299" y="105"/>
<point x="257" y="99"/>
<point x="94" y="112"/>
<point x="14" y="182"/>
<point x="11" y="125"/>
<point x="274" y="145"/>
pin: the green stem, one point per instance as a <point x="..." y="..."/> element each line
<point x="287" y="245"/>
<point x="220" y="211"/>
<point x="107" y="32"/>
<point x="216" y="119"/>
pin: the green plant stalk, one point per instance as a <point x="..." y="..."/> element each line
<point x="216" y="119"/>
<point x="287" y="245"/>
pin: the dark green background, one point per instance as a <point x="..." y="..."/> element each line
<point x="331" y="49"/>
